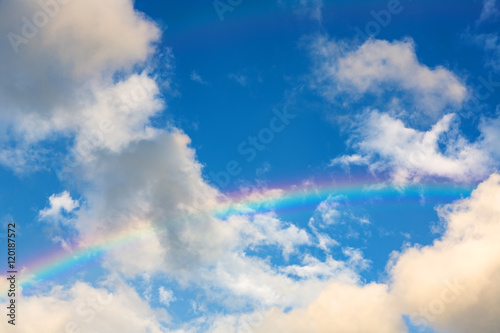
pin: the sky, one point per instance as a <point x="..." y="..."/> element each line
<point x="250" y="166"/>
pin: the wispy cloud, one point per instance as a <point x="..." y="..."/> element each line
<point x="194" y="76"/>
<point x="166" y="296"/>
<point x="239" y="78"/>
<point x="490" y="11"/>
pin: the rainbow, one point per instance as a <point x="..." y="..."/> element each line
<point x="355" y="192"/>
<point x="57" y="262"/>
<point x="50" y="266"/>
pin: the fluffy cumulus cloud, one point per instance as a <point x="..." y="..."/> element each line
<point x="454" y="284"/>
<point x="266" y="229"/>
<point x="118" y="116"/>
<point x="341" y="307"/>
<point x="387" y="144"/>
<point x="59" y="203"/>
<point x="168" y="207"/>
<point x="154" y="190"/>
<point x="145" y="185"/>
<point x="451" y="285"/>
<point x="83" y="308"/>
<point x="154" y="184"/>
<point x="136" y="181"/>
<point x="81" y="45"/>
<point x="378" y="66"/>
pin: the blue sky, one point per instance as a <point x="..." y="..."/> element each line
<point x="251" y="166"/>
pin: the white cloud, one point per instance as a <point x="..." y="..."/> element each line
<point x="313" y="268"/>
<point x="355" y="259"/>
<point x="154" y="190"/>
<point x="54" y="84"/>
<point x="454" y="284"/>
<point x="451" y="285"/>
<point x="266" y="229"/>
<point x="335" y="217"/>
<point x="64" y="244"/>
<point x="324" y="242"/>
<point x="154" y="184"/>
<point x="379" y="66"/>
<point x="166" y="296"/>
<point x="83" y="308"/>
<point x="490" y="132"/>
<point x="341" y="307"/>
<point x="147" y="184"/>
<point x="59" y="203"/>
<point x="328" y="210"/>
<point x="386" y="144"/>
<point x="118" y="116"/>
<point x="85" y="76"/>
<point x="22" y="157"/>
<point x="346" y="160"/>
<point x="86" y="37"/>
